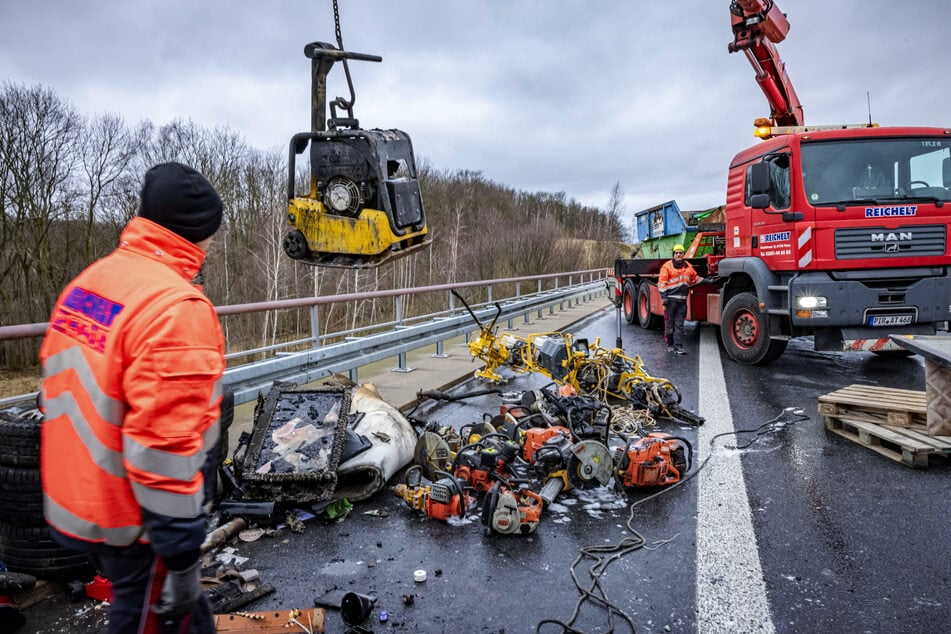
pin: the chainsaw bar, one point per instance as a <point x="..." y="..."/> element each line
<point x="684" y="415"/>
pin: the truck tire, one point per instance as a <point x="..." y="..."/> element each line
<point x="21" y="497"/>
<point x="745" y="332"/>
<point x="31" y="550"/>
<point x="20" y="437"/>
<point x="647" y="319"/>
<point x="629" y="301"/>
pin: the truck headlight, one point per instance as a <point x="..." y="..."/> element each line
<point x="811" y="301"/>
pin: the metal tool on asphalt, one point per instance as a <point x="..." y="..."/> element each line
<point x="658" y="459"/>
<point x="508" y="511"/>
<point x="587" y="367"/>
<point x="440" y="500"/>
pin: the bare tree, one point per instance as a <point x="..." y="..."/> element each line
<point x="38" y="133"/>
<point x="106" y="152"/>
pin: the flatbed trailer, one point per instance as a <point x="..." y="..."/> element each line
<point x="640" y="299"/>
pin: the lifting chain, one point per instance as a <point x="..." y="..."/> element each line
<point x="340" y="102"/>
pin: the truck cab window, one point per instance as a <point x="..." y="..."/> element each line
<point x="778" y="183"/>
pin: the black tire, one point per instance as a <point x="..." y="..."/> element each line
<point x="647" y="319"/>
<point x="629" y="301"/>
<point x="20" y="437"/>
<point x="745" y="332"/>
<point x="295" y="245"/>
<point x="21" y="497"/>
<point x="33" y="551"/>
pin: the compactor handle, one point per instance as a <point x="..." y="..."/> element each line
<point x="316" y="50"/>
<point x="323" y="56"/>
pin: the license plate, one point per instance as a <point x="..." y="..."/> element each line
<point x="890" y="320"/>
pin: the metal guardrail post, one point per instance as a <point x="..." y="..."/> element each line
<point x="439" y="352"/>
<point x="402" y="367"/>
<point x="518" y="294"/>
<point x="315" y="325"/>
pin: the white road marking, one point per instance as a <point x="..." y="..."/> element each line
<point x="731" y="593"/>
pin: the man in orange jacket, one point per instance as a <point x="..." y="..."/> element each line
<point x="676" y="278"/>
<point x="132" y="366"/>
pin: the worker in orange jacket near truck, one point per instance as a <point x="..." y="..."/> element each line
<point x="132" y="366"/>
<point x="676" y="277"/>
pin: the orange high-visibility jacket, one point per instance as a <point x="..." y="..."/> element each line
<point x="675" y="283"/>
<point x="132" y="362"/>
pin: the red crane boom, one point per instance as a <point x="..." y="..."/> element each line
<point x="757" y="26"/>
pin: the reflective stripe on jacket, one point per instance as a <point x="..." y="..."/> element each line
<point x="675" y="283"/>
<point x="132" y="365"/>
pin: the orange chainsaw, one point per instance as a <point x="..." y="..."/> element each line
<point x="658" y="459"/>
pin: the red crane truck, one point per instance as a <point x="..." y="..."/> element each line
<point x="834" y="232"/>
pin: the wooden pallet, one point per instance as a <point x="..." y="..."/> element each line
<point x="898" y="443"/>
<point x="879" y="405"/>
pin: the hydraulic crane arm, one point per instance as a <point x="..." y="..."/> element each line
<point x="758" y="25"/>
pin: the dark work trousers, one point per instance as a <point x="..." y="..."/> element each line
<point x="674" y="322"/>
<point x="136" y="576"/>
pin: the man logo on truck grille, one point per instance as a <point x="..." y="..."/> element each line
<point x="901" y="236"/>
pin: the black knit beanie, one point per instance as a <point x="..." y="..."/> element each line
<point x="181" y="200"/>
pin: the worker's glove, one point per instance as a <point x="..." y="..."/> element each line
<point x="663" y="301"/>
<point x="180" y="592"/>
<point x="710" y="279"/>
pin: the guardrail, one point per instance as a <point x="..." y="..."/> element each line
<point x="389" y="339"/>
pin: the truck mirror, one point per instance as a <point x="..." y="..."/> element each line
<point x="759" y="179"/>
<point x="946" y="171"/>
<point x="759" y="201"/>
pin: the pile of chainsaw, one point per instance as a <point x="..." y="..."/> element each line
<point x="511" y="466"/>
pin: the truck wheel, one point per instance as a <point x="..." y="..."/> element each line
<point x="629" y="301"/>
<point x="745" y="332"/>
<point x="647" y="319"/>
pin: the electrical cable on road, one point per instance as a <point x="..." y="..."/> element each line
<point x="604" y="555"/>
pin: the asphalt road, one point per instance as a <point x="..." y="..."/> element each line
<point x="802" y="531"/>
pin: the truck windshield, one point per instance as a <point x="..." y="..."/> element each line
<point x="876" y="170"/>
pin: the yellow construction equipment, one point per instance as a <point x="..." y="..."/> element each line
<point x="363" y="206"/>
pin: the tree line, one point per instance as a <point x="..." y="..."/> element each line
<point x="69" y="182"/>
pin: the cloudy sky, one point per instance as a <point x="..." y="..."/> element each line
<point x="540" y="95"/>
